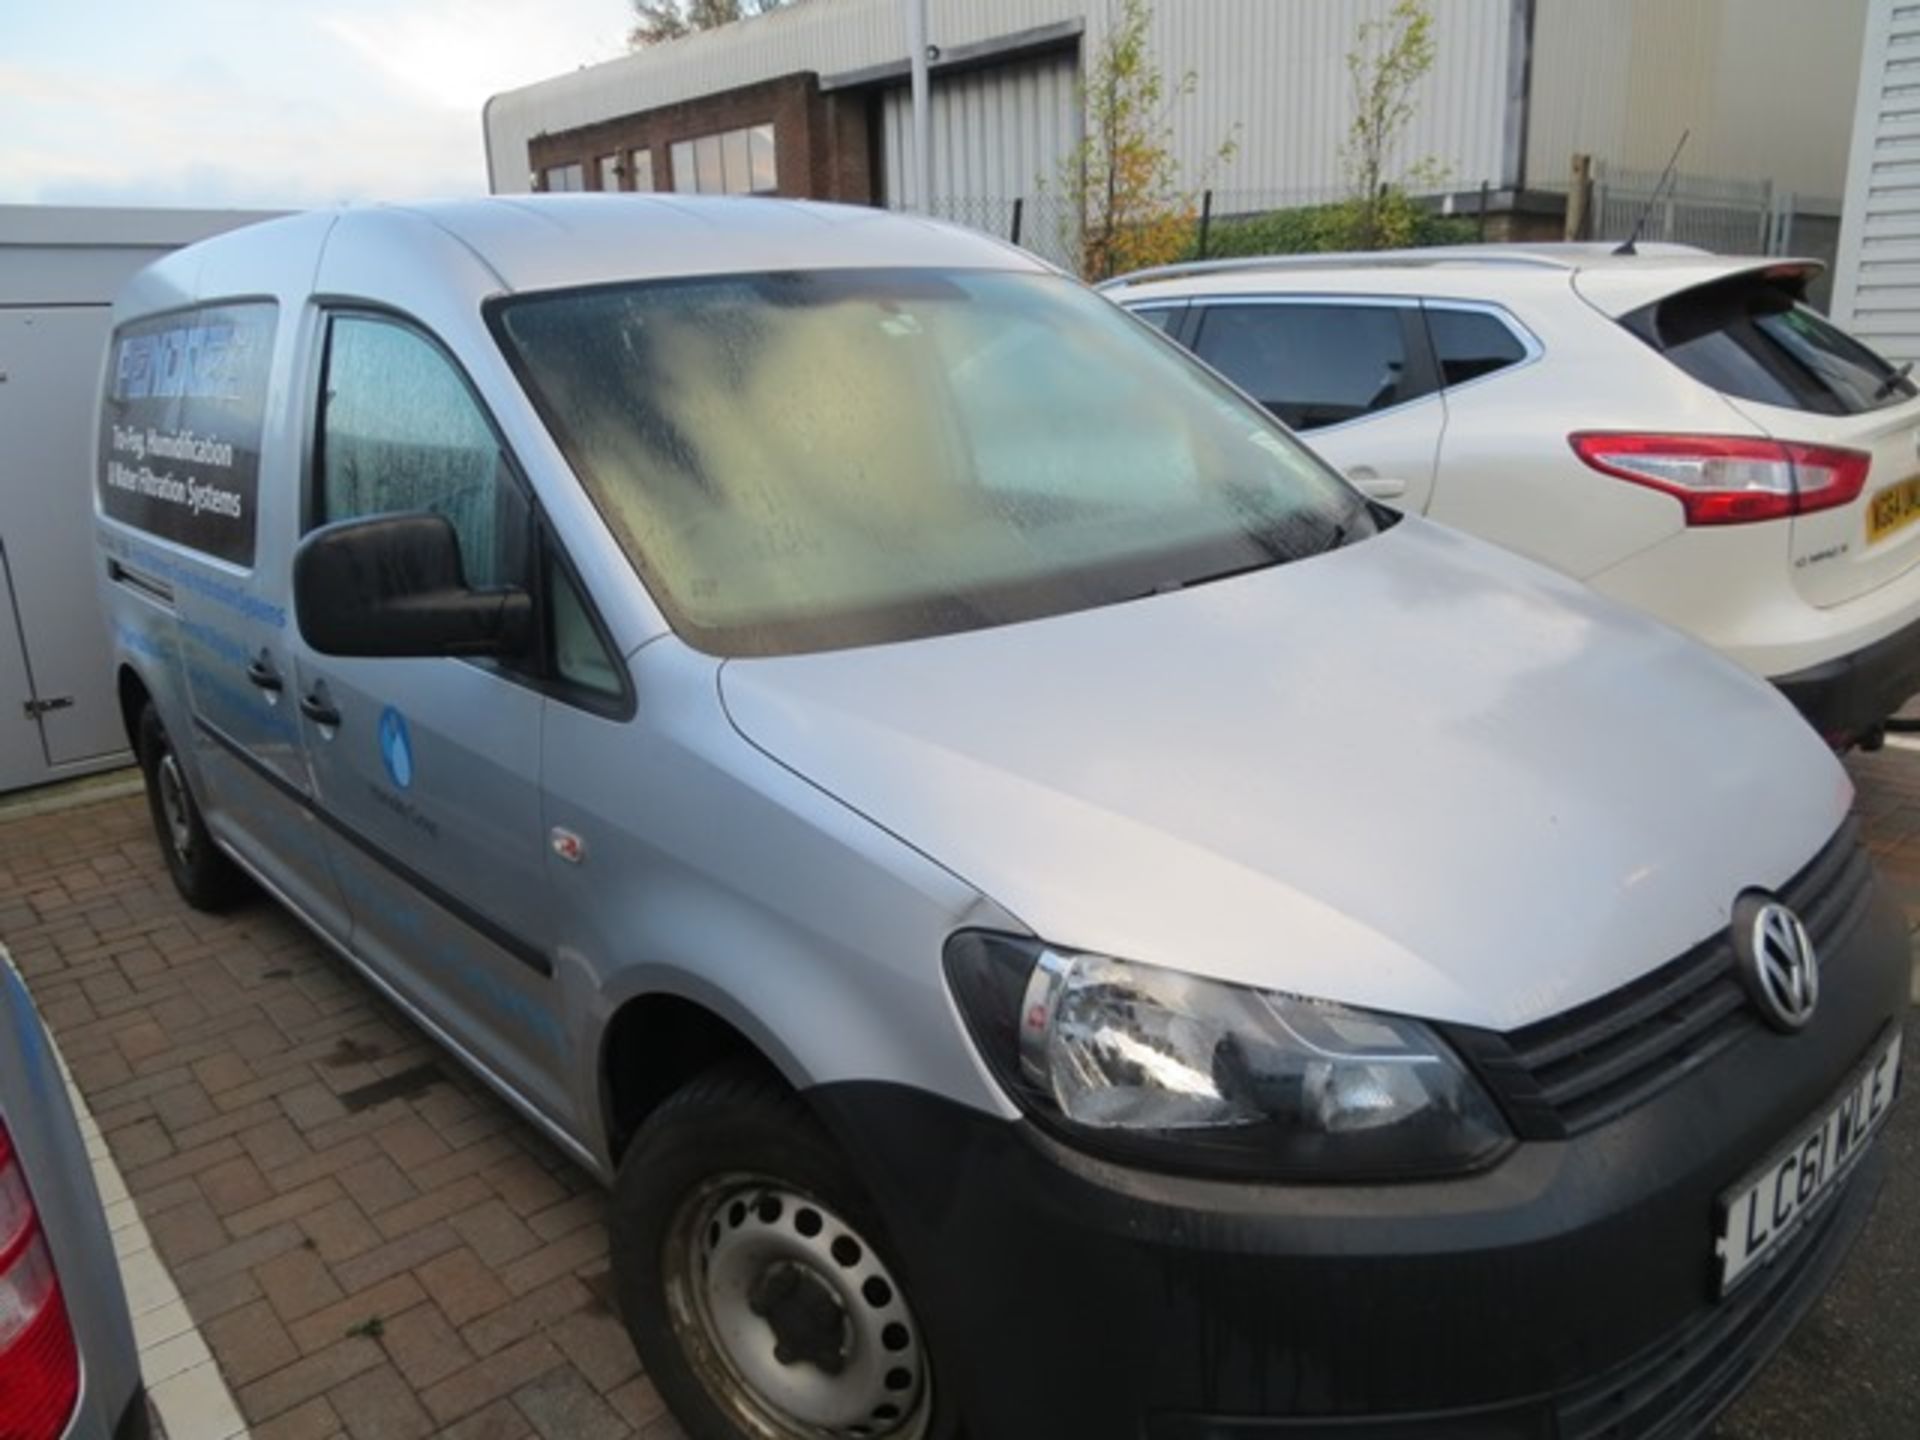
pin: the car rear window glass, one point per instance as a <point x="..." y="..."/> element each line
<point x="811" y="460"/>
<point x="1751" y="338"/>
<point x="1311" y="365"/>
<point x="1471" y="343"/>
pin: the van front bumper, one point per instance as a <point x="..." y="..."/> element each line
<point x="1850" y="696"/>
<point x="1569" y="1291"/>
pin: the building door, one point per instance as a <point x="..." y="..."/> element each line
<point x="57" y="707"/>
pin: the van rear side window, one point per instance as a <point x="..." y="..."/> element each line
<point x="180" y="425"/>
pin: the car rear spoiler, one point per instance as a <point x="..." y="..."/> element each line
<point x="1619" y="290"/>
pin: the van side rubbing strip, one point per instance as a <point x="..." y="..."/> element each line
<point x="531" y="956"/>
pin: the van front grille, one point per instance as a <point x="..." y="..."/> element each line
<point x="1579" y="1070"/>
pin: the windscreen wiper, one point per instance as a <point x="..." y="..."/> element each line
<point x="1888" y="385"/>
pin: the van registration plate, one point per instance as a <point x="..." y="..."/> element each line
<point x="1767" y="1208"/>
<point x="1893" y="508"/>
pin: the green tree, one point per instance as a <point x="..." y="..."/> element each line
<point x="657" y="20"/>
<point x="1122" y="181"/>
<point x="1390" y="58"/>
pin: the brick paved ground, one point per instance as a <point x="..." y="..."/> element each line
<point x="420" y="1265"/>
<point x="1888" y="784"/>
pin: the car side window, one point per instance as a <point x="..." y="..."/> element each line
<point x="1312" y="365"/>
<point x="401" y="432"/>
<point x="1471" y="343"/>
<point x="1161" y="317"/>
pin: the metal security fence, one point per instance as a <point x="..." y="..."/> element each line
<point x="1222" y="221"/>
<point x="1043" y="223"/>
<point x="1730" y="217"/>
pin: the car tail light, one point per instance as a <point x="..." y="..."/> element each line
<point x="39" y="1367"/>
<point x="1728" y="479"/>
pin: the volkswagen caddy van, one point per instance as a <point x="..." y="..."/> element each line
<point x="1054" y="916"/>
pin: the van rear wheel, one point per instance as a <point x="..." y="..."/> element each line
<point x="205" y="878"/>
<point x="754" y="1280"/>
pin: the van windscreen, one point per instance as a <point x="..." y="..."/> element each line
<point x="809" y="461"/>
<point x="1749" y="336"/>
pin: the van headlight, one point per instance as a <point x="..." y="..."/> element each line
<point x="1164" y="1067"/>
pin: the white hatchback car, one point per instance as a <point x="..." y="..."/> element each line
<point x="1675" y="428"/>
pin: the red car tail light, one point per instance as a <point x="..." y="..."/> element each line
<point x="1730" y="479"/>
<point x="39" y="1366"/>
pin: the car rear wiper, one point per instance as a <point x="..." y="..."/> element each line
<point x="1888" y="385"/>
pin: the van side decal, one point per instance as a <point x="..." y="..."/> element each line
<point x="530" y="955"/>
<point x="181" y="423"/>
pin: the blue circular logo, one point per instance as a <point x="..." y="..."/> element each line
<point x="396" y="750"/>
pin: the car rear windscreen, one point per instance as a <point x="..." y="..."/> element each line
<point x="1750" y="337"/>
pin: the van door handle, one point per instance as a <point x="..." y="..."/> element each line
<point x="261" y="672"/>
<point x="318" y="708"/>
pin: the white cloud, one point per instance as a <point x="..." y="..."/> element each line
<point x="456" y="53"/>
<point x="227" y="103"/>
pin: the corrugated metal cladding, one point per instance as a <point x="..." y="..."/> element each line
<point x="1763" y="85"/>
<point x="1270" y="75"/>
<point x="996" y="132"/>
<point x="1876" y="289"/>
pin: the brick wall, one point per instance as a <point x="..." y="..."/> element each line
<point x="822" y="149"/>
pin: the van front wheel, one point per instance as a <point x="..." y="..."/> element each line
<point x="753" y="1279"/>
<point x="205" y="878"/>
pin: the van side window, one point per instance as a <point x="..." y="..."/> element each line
<point x="181" y="425"/>
<point x="1313" y="365"/>
<point x="400" y="431"/>
<point x="579" y="656"/>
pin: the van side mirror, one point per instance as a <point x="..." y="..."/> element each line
<point x="393" y="585"/>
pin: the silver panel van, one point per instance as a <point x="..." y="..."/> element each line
<point x="1053" y="915"/>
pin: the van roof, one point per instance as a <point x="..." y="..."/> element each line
<point x="544" y="242"/>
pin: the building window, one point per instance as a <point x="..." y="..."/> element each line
<point x="737" y="162"/>
<point x="609" y="172"/>
<point x="556" y="178"/>
<point x="640" y="169"/>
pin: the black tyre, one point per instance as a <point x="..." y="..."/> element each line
<point x="205" y="878"/>
<point x="753" y="1276"/>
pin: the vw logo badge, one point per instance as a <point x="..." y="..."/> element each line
<point x="1778" y="965"/>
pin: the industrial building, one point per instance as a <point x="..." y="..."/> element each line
<point x="811" y="100"/>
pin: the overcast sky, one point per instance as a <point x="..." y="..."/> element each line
<point x="269" y="102"/>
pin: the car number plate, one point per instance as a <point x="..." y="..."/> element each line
<point x="1893" y="508"/>
<point x="1766" y="1209"/>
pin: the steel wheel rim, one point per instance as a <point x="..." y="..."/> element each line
<point x="173" y="806"/>
<point x="755" y="1273"/>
